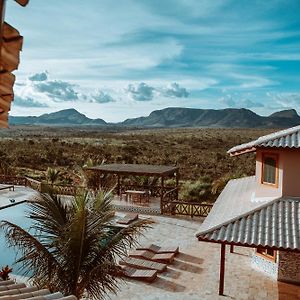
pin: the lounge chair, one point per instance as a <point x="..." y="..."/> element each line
<point x="12" y="287"/>
<point x="159" y="250"/>
<point x="139" y="274"/>
<point x="128" y="218"/>
<point x="143" y="264"/>
<point x="146" y="254"/>
<point x="18" y="291"/>
<point x="23" y="294"/>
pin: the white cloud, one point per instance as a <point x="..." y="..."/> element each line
<point x="239" y="101"/>
<point x="175" y="90"/>
<point x="101" y="97"/>
<point x="57" y="90"/>
<point x="140" y="91"/>
<point x="27" y="102"/>
<point x="39" y="76"/>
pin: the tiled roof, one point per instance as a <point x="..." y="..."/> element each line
<point x="236" y="199"/>
<point x="275" y="224"/>
<point x="288" y="138"/>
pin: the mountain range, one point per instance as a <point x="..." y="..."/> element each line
<point x="66" y="117"/>
<point x="172" y="117"/>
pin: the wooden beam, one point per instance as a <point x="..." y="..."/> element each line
<point x="222" y="269"/>
<point x="231" y="248"/>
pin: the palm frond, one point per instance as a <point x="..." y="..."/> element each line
<point x="36" y="260"/>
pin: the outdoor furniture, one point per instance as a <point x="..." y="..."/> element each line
<point x="9" y="187"/>
<point x="159" y="250"/>
<point x="128" y="218"/>
<point x="139" y="274"/>
<point x="135" y="196"/>
<point x="146" y="254"/>
<point x="17" y="291"/>
<point x="143" y="264"/>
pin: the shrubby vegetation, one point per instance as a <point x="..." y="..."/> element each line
<point x="200" y="153"/>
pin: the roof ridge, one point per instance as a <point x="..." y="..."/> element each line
<point x="246" y="214"/>
<point x="265" y="138"/>
<point x="278" y="134"/>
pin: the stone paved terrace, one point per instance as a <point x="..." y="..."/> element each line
<point x="20" y="194"/>
<point x="194" y="275"/>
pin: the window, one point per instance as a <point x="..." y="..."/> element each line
<point x="267" y="253"/>
<point x="270" y="169"/>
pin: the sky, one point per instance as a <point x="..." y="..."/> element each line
<point x="122" y="59"/>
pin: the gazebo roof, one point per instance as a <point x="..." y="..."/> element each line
<point x="136" y="169"/>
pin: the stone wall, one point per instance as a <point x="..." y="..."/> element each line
<point x="289" y="267"/>
<point x="265" y="265"/>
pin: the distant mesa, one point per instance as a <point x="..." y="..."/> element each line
<point x="172" y="117"/>
<point x="223" y="118"/>
<point x="66" y="117"/>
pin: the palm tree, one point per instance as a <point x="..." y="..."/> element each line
<point x="52" y="175"/>
<point x="73" y="248"/>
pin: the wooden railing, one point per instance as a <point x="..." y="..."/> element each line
<point x="34" y="184"/>
<point x="40" y="186"/>
<point x="171" y="205"/>
<point x="192" y="209"/>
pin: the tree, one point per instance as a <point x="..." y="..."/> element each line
<point x="52" y="175"/>
<point x="73" y="248"/>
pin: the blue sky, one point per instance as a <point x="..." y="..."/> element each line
<point x="126" y="58"/>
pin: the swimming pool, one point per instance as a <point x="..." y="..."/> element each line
<point x="16" y="215"/>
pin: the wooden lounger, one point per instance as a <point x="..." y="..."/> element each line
<point x="10" y="187"/>
<point x="127" y="219"/>
<point x="146" y="254"/>
<point x="139" y="274"/>
<point x="143" y="264"/>
<point x="159" y="250"/>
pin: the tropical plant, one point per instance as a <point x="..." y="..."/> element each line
<point x="73" y="248"/>
<point x="52" y="175"/>
<point x="4" y="273"/>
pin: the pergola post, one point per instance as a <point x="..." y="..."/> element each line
<point x="118" y="187"/>
<point x="162" y="192"/>
<point x="177" y="181"/>
<point x="222" y="269"/>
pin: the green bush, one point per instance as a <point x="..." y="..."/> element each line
<point x="197" y="191"/>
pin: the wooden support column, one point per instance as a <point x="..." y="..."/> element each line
<point x="222" y="270"/>
<point x="162" y="192"/>
<point x="231" y="248"/>
<point x="118" y="187"/>
<point x="177" y="182"/>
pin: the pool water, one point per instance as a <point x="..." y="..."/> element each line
<point x="14" y="214"/>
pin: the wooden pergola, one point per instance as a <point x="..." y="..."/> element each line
<point x="122" y="170"/>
